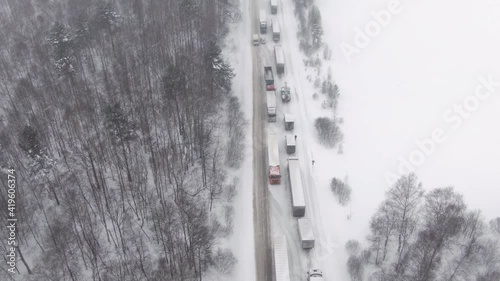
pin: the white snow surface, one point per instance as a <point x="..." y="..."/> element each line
<point x="238" y="53"/>
<point x="394" y="93"/>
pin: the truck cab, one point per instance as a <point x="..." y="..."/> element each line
<point x="315" y="275"/>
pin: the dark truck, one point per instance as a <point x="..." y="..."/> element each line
<point x="269" y="77"/>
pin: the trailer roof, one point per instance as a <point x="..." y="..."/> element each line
<point x="296" y="183"/>
<point x="268" y="73"/>
<point x="276" y="26"/>
<point x="306" y="229"/>
<point x="281" y="258"/>
<point x="273" y="150"/>
<point x="278" y="52"/>
<point x="271" y="98"/>
<point x="262" y="15"/>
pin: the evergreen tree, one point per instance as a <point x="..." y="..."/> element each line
<point x="120" y="129"/>
<point x="315" y="26"/>
<point x="29" y="143"/>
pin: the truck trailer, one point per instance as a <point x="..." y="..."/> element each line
<point x="274" y="7"/>
<point x="280" y="254"/>
<point x="290" y="143"/>
<point x="273" y="155"/>
<point x="269" y="77"/>
<point x="280" y="59"/>
<point x="276" y="30"/>
<point x="306" y="233"/>
<point x="271" y="106"/>
<point x="263" y="22"/>
<point x="289" y="123"/>
<point x="296" y="187"/>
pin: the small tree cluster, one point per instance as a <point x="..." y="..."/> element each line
<point x="329" y="132"/>
<point x="341" y="190"/>
<point x="315" y="27"/>
<point x="355" y="262"/>
<point x="416" y="236"/>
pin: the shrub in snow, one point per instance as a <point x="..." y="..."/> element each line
<point x="228" y="218"/>
<point x="352" y="247"/>
<point x="230" y="191"/>
<point x="341" y="190"/>
<point x="235" y="124"/>
<point x="223" y="261"/>
<point x="495" y="225"/>
<point x="315" y="27"/>
<point x="329" y="132"/>
<point x="356" y="268"/>
<point x="327" y="53"/>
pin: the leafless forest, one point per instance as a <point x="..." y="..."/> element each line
<point x="119" y="120"/>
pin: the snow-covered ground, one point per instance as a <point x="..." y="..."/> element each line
<point x="402" y="88"/>
<point x="238" y="52"/>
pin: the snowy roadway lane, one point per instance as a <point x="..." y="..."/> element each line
<point x="262" y="228"/>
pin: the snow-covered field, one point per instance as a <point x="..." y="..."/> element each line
<point x="409" y="82"/>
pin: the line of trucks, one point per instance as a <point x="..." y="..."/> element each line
<point x="276" y="35"/>
<point x="271" y="94"/>
<point x="305" y="227"/>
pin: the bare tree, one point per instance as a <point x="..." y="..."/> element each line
<point x="382" y="226"/>
<point x="443" y="216"/>
<point x="403" y="200"/>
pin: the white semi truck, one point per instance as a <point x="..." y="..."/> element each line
<point x="276" y="30"/>
<point x="280" y="254"/>
<point x="263" y="22"/>
<point x="306" y="233"/>
<point x="274" y="7"/>
<point x="290" y="143"/>
<point x="296" y="187"/>
<point x="273" y="156"/>
<point x="280" y="59"/>
<point x="271" y="106"/>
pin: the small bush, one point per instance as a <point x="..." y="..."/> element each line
<point x="223" y="261"/>
<point x="355" y="267"/>
<point x="329" y="132"/>
<point x="235" y="126"/>
<point x="341" y="190"/>
<point x="228" y="217"/>
<point x="352" y="247"/>
<point x="495" y="225"/>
